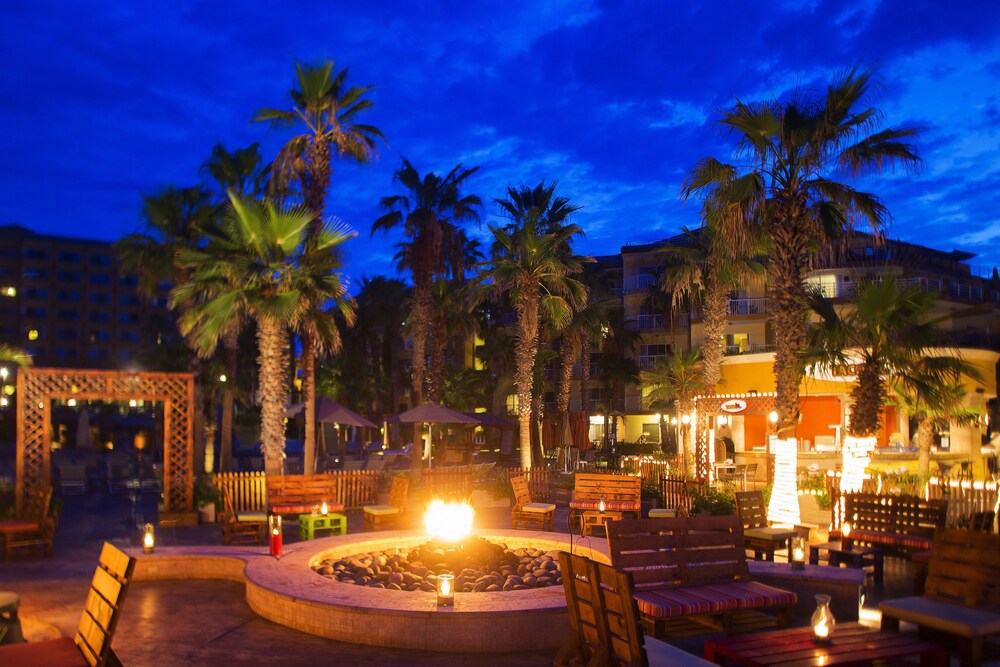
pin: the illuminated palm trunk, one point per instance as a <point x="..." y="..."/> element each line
<point x="527" y="349"/>
<point x="273" y="363"/>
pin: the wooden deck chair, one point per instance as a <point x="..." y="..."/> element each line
<point x="674" y="493"/>
<point x="92" y="643"/>
<point x="377" y="517"/>
<point x="241" y="527"/>
<point x="528" y="514"/>
<point x="34" y="528"/>
<point x="757" y="533"/>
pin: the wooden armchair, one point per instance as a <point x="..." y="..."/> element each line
<point x="92" y="643"/>
<point x="241" y="527"/>
<point x="379" y="516"/>
<point x="528" y="514"/>
<point x="757" y="534"/>
<point x="34" y="528"/>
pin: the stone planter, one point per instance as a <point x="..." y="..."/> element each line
<point x="206" y="513"/>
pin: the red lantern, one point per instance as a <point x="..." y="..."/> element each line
<point x="274" y="525"/>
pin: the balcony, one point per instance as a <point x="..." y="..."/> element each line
<point x="756" y="306"/>
<point x="650" y="361"/>
<point x="638" y="282"/>
<point x="735" y="350"/>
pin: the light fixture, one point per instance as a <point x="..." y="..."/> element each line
<point x="324" y="509"/>
<point x="846" y="542"/>
<point x="822" y="620"/>
<point x="274" y="524"/>
<point x="222" y="378"/>
<point x="446" y="590"/>
<point x="3" y="373"/>
<point x="798" y="553"/>
<point x="773" y="416"/>
<point x="601" y="506"/>
<point x="685" y="419"/>
<point x="148" y="539"/>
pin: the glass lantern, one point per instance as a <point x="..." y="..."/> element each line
<point x="798" y="558"/>
<point x="148" y="539"/>
<point x="445" y="590"/>
<point x="822" y="620"/>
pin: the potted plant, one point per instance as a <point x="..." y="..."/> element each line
<point x="207" y="500"/>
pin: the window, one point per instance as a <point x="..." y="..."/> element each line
<point x="95" y="354"/>
<point x="129" y="300"/>
<point x="68" y="315"/>
<point x="654" y="350"/>
<point x="737" y="343"/>
<point x="35" y="312"/>
<point x="66" y="353"/>
<point x="100" y="260"/>
<point x="128" y="281"/>
<point x="651" y="432"/>
<point x="128" y="318"/>
<point x="67" y="334"/>
<point x="97" y="297"/>
<point x="35" y="253"/>
<point x="70" y="257"/>
<point x="36" y="274"/>
<point x="69" y="276"/>
<point x="100" y="279"/>
<point x="99" y="336"/>
<point x="69" y="295"/>
<point x="128" y="337"/>
<point x="100" y="317"/>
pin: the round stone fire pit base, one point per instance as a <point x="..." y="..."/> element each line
<point x="287" y="591"/>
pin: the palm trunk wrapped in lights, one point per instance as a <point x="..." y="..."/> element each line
<point x="783" y="507"/>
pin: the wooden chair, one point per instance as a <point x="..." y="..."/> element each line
<point x="34" y="528"/>
<point x="751" y="476"/>
<point x="604" y="620"/>
<point x="380" y="516"/>
<point x="528" y="514"/>
<point x="92" y="643"/>
<point x="241" y="527"/>
<point x="675" y="495"/>
<point x="757" y="534"/>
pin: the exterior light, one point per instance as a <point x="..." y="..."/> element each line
<point x="10" y="291"/>
<point x="222" y="378"/>
<point x="822" y="620"/>
<point x="3" y="401"/>
<point x="601" y="506"/>
<point x="845" y="536"/>
<point x="773" y="416"/>
<point x="3" y="373"/>
<point x="148" y="539"/>
<point x="685" y="419"/>
<point x="274" y="525"/>
<point x="798" y="554"/>
<point x="71" y="402"/>
<point x="33" y="334"/>
<point x="446" y="590"/>
<point x="673" y="421"/>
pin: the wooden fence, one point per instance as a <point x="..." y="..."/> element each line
<point x="447" y="483"/>
<point x="353" y="488"/>
<point x="647" y="467"/>
<point x="539" y="481"/>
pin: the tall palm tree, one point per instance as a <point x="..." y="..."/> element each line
<point x="242" y="171"/>
<point x="932" y="403"/>
<point x="676" y="381"/>
<point x="885" y="329"/>
<point x="533" y="268"/>
<point x="785" y="188"/>
<point x="262" y="266"/>
<point x="431" y="203"/>
<point x="452" y="322"/>
<point x="173" y="220"/>
<point x="617" y="364"/>
<point x="380" y="330"/>
<point x="329" y="110"/>
<point x="14" y="355"/>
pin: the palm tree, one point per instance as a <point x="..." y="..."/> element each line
<point x="884" y="330"/>
<point x="328" y="109"/>
<point x="676" y="380"/>
<point x="786" y="189"/>
<point x="241" y="171"/>
<point x="533" y="268"/>
<point x="14" y="355"/>
<point x="617" y="364"/>
<point x="432" y="202"/>
<point x="174" y="220"/>
<point x="261" y="267"/>
<point x="380" y="331"/>
<point x="452" y="322"/>
<point x="932" y="403"/>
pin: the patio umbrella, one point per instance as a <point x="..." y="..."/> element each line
<point x="488" y="419"/>
<point x="331" y="412"/>
<point x="432" y="413"/>
<point x="84" y="439"/>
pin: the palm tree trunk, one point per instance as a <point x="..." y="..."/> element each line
<point x="309" y="396"/>
<point x="526" y="349"/>
<point x="585" y="348"/>
<point x="195" y="367"/>
<point x="316" y="180"/>
<point x="231" y="346"/>
<point x="420" y="316"/>
<point x="924" y="436"/>
<point x="569" y="351"/>
<point x="435" y="373"/>
<point x="272" y="341"/>
<point x="537" y="446"/>
<point x="867" y="397"/>
<point x="712" y="349"/>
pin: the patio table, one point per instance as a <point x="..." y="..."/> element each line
<point x="310" y="523"/>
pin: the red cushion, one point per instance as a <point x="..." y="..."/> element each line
<point x="609" y="505"/>
<point x="301" y="508"/>
<point x="51" y="653"/>
<point x="18" y="526"/>
<point x="711" y="599"/>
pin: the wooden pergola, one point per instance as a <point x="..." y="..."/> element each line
<point x="732" y="405"/>
<point x="38" y="387"/>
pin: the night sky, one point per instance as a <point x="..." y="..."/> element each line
<point x="102" y="101"/>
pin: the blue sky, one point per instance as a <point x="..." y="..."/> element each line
<point x="105" y="100"/>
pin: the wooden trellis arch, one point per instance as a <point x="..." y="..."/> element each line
<point x="708" y="407"/>
<point x="38" y="387"/>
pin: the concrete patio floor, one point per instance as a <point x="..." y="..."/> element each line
<point x="209" y="622"/>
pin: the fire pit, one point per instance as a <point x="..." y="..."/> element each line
<point x="478" y="564"/>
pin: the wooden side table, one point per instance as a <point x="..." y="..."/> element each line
<point x="310" y="523"/>
<point x="852" y="645"/>
<point x="593" y="518"/>
<point x="854" y="556"/>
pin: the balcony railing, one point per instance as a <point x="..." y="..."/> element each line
<point x="638" y="281"/>
<point x="756" y="306"/>
<point x="650" y="361"/>
<point x="733" y="350"/>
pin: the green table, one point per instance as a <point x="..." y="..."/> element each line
<point x="310" y="523"/>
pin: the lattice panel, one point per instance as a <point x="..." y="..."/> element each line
<point x="708" y="407"/>
<point x="37" y="387"/>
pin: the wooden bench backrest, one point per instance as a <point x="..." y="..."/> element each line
<point x="909" y="515"/>
<point x="104" y="603"/>
<point x="301" y="489"/>
<point x="751" y="508"/>
<point x="687" y="551"/>
<point x="597" y="486"/>
<point x="397" y="494"/>
<point x="522" y="491"/>
<point x="355" y="488"/>
<point x="582" y="605"/>
<point x="539" y="482"/>
<point x="247" y="490"/>
<point x="675" y="495"/>
<point x="964" y="566"/>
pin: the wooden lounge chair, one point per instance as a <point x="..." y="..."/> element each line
<point x="381" y="516"/>
<point x="34" y="528"/>
<point x="757" y="533"/>
<point x="241" y="527"/>
<point x="528" y="514"/>
<point x="604" y="620"/>
<point x="92" y="643"/>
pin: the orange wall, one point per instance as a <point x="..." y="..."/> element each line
<point x="754" y="431"/>
<point x="818" y="413"/>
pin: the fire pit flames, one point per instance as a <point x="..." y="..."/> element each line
<point x="448" y="522"/>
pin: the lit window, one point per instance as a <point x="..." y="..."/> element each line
<point x="33" y="334"/>
<point x="10" y="291"/>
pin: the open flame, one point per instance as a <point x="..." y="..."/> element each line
<point x="448" y="521"/>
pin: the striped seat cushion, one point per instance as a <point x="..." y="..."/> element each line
<point x="301" y="508"/>
<point x="918" y="542"/>
<point x="18" y="526"/>
<point x="711" y="599"/>
<point x="609" y="505"/>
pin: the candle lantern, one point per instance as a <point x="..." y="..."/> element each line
<point x="324" y="509"/>
<point x="600" y="506"/>
<point x="274" y="524"/>
<point x="822" y="620"/>
<point x="446" y="590"/>
<point x="148" y="539"/>
<point x="846" y="542"/>
<point x="798" y="557"/>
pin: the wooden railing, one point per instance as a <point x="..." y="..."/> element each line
<point x="965" y="499"/>
<point x="354" y="488"/>
<point x="539" y="481"/>
<point x="646" y="466"/>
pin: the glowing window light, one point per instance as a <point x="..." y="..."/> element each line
<point x="784" y="506"/>
<point x="33" y="334"/>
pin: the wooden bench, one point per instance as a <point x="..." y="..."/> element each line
<point x="301" y="494"/>
<point x="527" y="513"/>
<point x="902" y="523"/>
<point x="34" y="528"/>
<point x="693" y="568"/>
<point x="678" y="494"/>
<point x="619" y="493"/>
<point x="539" y="481"/>
<point x="962" y="593"/>
<point x="758" y="535"/>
